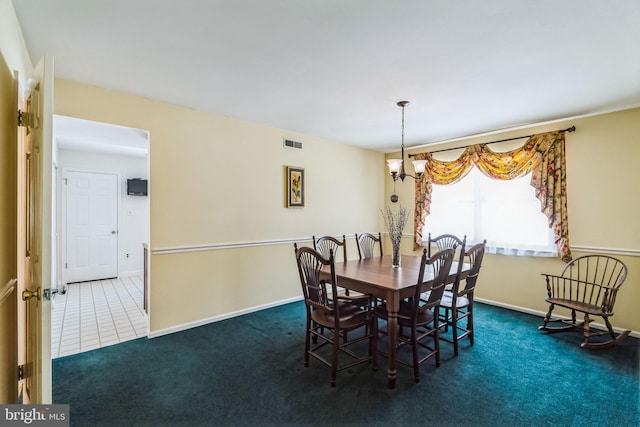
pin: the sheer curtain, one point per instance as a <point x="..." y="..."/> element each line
<point x="543" y="155"/>
<point x="505" y="213"/>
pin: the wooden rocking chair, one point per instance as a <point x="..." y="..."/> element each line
<point x="588" y="284"/>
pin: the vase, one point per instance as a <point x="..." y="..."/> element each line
<point x="395" y="257"/>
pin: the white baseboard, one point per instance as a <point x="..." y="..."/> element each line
<point x="232" y="314"/>
<point x="542" y="314"/>
<point x="225" y="316"/>
<point x="131" y="273"/>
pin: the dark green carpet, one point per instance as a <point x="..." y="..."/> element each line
<point x="249" y="371"/>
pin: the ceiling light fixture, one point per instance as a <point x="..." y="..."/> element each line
<point x="396" y="166"/>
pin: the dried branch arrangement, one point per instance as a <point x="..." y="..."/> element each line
<point x="395" y="222"/>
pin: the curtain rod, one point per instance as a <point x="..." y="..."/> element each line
<point x="571" y="129"/>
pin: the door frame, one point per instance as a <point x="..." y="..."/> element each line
<point x="63" y="217"/>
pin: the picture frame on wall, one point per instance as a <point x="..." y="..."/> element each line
<point x="295" y="187"/>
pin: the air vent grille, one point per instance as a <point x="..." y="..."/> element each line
<point x="292" y="144"/>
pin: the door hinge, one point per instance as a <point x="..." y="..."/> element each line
<point x="66" y="266"/>
<point x="20" y="372"/>
<point x="25" y="119"/>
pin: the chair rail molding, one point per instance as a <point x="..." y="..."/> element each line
<point x="609" y="251"/>
<point x="288" y="241"/>
<point x="232" y="245"/>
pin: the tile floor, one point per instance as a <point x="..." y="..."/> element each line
<point x="97" y="314"/>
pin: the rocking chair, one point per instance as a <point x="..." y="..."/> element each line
<point x="588" y="284"/>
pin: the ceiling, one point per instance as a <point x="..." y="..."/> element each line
<point x="84" y="135"/>
<point x="336" y="68"/>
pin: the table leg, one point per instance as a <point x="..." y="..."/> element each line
<point x="393" y="306"/>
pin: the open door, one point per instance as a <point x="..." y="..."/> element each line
<point x="37" y="154"/>
<point x="8" y="235"/>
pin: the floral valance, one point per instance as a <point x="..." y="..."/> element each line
<point x="543" y="154"/>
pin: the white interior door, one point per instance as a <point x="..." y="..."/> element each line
<point x="92" y="225"/>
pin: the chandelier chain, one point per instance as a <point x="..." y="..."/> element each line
<point x="403" y="128"/>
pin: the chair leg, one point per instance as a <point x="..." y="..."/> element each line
<point x="586" y="329"/>
<point x="609" y="327"/>
<point x="307" y="342"/>
<point x="436" y="340"/>
<point x="414" y="347"/>
<point x="615" y="339"/>
<point x="454" y="327"/>
<point x="547" y="318"/>
<point x="470" y="323"/>
<point x="314" y="338"/>
<point x="334" y="358"/>
<point x="446" y="319"/>
<point x="373" y="342"/>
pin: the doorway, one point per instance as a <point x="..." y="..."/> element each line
<point x="100" y="259"/>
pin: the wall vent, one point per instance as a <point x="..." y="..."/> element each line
<point x="292" y="144"/>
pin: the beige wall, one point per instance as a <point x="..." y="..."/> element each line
<point x="602" y="177"/>
<point x="234" y="209"/>
<point x="216" y="181"/>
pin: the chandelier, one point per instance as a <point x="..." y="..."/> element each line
<point x="396" y="166"/>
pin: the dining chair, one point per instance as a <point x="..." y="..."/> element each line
<point x="324" y="245"/>
<point x="419" y="316"/>
<point x="329" y="317"/>
<point x="457" y="303"/>
<point x="367" y="243"/>
<point x="589" y="285"/>
<point x="445" y="241"/>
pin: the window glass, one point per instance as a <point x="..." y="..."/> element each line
<point x="505" y="213"/>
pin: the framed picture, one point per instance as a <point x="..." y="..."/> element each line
<point x="295" y="187"/>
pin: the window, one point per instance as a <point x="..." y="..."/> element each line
<point x="505" y="213"/>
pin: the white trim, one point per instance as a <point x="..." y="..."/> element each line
<point x="250" y="244"/>
<point x="186" y="326"/>
<point x="542" y="314"/>
<point x="257" y="243"/>
<point x="612" y="251"/>
<point x="131" y="273"/>
<point x="595" y="249"/>
<point x="218" y="246"/>
<point x="8" y="289"/>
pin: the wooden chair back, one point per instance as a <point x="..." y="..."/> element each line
<point x="367" y="243"/>
<point x="440" y="264"/>
<point x="446" y="241"/>
<point x="591" y="279"/>
<point x="473" y="256"/>
<point x="325" y="244"/>
<point x="315" y="292"/>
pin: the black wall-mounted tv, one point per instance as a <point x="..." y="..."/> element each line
<point x="137" y="187"/>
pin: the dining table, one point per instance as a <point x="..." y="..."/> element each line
<point x="379" y="278"/>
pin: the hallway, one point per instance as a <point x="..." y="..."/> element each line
<point x="97" y="314"/>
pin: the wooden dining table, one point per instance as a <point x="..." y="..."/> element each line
<point x="377" y="277"/>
